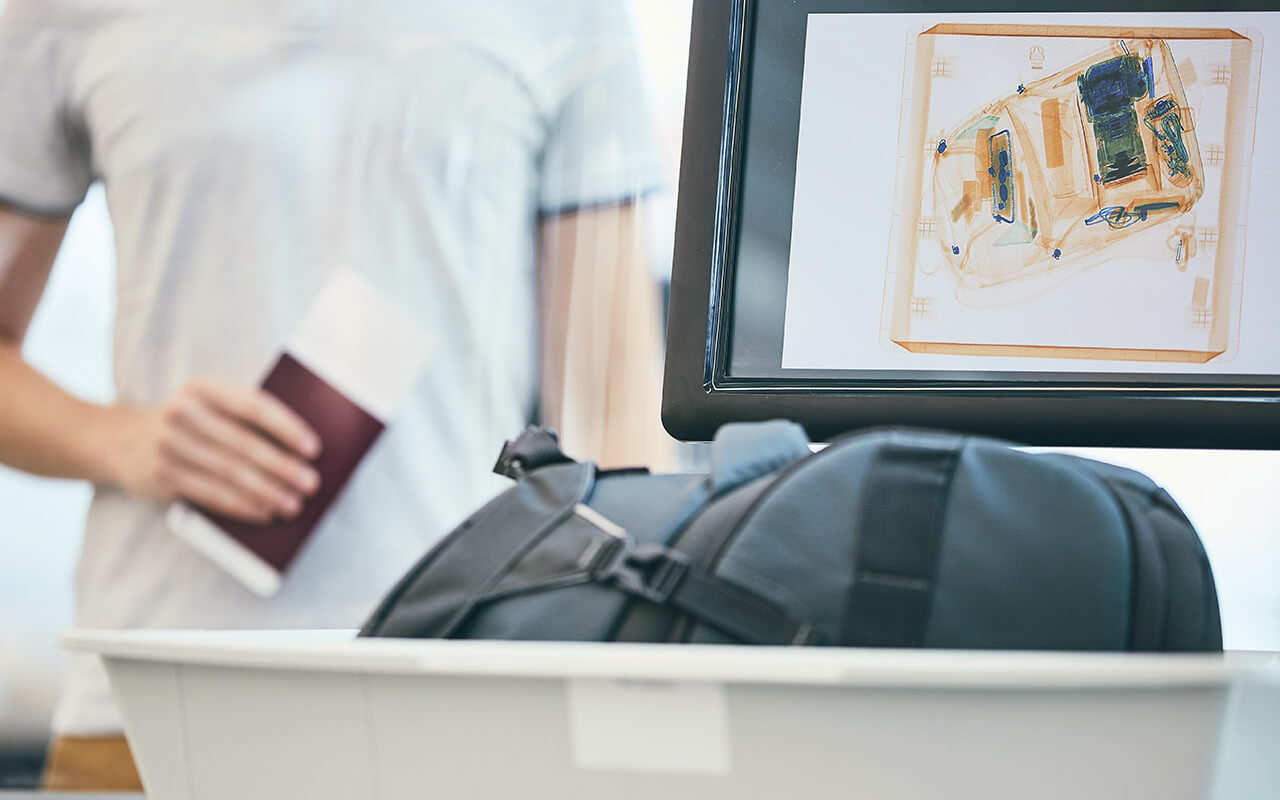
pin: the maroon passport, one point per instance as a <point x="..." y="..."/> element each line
<point x="351" y="362"/>
<point x="347" y="432"/>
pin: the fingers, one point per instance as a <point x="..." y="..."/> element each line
<point x="240" y="481"/>
<point x="242" y="447"/>
<point x="263" y="411"/>
<point x="237" y="452"/>
<point x="220" y="498"/>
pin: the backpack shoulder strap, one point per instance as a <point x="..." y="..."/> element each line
<point x="899" y="537"/>
<point x="437" y="596"/>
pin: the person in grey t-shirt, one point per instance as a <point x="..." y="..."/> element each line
<point x="478" y="161"/>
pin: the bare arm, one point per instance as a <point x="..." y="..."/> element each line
<point x="236" y="451"/>
<point x="602" y="354"/>
<point x="42" y="429"/>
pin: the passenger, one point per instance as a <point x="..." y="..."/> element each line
<point x="477" y="161"/>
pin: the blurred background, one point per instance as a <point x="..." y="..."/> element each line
<point x="1232" y="497"/>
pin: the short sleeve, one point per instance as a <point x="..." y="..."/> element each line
<point x="600" y="145"/>
<point x="44" y="161"/>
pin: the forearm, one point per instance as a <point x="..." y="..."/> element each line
<point x="46" y="431"/>
<point x="602" y="375"/>
<point x="632" y="426"/>
<point x="43" y="429"/>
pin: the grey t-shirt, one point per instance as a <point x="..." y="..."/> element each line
<point x="247" y="148"/>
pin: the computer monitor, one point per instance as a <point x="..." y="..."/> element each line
<point x="1055" y="222"/>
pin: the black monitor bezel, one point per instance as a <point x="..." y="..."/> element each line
<point x="699" y="394"/>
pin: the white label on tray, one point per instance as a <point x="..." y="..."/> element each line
<point x="649" y="726"/>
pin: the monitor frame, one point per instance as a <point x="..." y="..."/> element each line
<point x="699" y="395"/>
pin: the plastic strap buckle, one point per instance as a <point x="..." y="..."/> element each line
<point x="650" y="571"/>
<point x="643" y="569"/>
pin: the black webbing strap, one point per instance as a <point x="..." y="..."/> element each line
<point x="736" y="611"/>
<point x="664" y="576"/>
<point x="899" y="536"/>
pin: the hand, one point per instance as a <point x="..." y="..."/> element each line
<point x="234" y="451"/>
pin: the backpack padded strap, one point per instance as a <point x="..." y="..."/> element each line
<point x="899" y="538"/>
<point x="744" y="451"/>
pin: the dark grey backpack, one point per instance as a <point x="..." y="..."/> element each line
<point x="883" y="539"/>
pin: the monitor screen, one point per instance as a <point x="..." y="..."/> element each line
<point x="960" y="197"/>
<point x="1055" y="193"/>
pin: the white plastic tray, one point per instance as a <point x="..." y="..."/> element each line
<point x="321" y="716"/>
